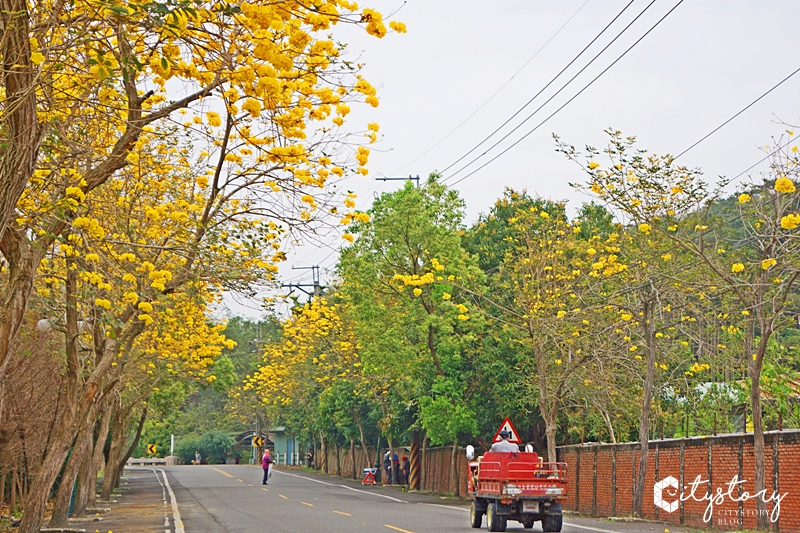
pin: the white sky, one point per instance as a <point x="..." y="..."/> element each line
<point x="702" y="64"/>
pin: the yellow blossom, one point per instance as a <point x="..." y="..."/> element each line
<point x="766" y="264"/>
<point x="348" y="237"/>
<point x="593" y="165"/>
<point x="744" y="198"/>
<point x="644" y="228"/>
<point x="417" y="291"/>
<point x="784" y="185"/>
<point x="446" y="296"/>
<point x="790" y="221"/>
<point x="737" y="267"/>
<point x="102" y="302"/>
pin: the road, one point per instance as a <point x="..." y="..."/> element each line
<point x="231" y="499"/>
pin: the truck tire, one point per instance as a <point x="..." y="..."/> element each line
<point x="551" y="523"/>
<point x="494" y="521"/>
<point x="475" y="517"/>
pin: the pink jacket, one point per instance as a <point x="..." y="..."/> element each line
<point x="265" y="461"/>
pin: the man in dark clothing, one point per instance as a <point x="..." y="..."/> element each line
<point x="406" y="465"/>
<point x="387" y="466"/>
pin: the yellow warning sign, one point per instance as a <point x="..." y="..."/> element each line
<point x="258" y="442"/>
<point x="151" y="449"/>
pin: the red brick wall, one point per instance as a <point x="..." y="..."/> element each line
<point x="597" y="488"/>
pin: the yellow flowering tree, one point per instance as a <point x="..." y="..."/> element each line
<point x="759" y="268"/>
<point x="266" y="87"/>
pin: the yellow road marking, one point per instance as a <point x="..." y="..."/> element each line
<point x="398" y="529"/>
<point x="282" y="496"/>
<point x="262" y="488"/>
<point x="223" y="472"/>
<point x="343" y="513"/>
<point x="309" y="504"/>
<point x="249" y="484"/>
<point x="240" y="481"/>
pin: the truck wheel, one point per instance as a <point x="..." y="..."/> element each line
<point x="493" y="520"/>
<point x="475" y="517"/>
<point x="551" y="522"/>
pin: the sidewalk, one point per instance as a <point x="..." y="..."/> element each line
<point x="142" y="505"/>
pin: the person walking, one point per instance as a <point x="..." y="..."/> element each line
<point x="406" y="469"/>
<point x="266" y="461"/>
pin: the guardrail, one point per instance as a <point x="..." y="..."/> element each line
<point x="144" y="461"/>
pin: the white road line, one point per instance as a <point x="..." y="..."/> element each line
<point x="176" y="515"/>
<point x="342" y="486"/>
<point x="447" y="506"/>
<point x="565" y="523"/>
<point x="589" y="528"/>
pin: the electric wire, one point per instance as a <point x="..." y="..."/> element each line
<point x="751" y="167"/>
<point x="496" y="92"/>
<point x="751" y="104"/>
<point x="501" y="126"/>
<point x="563" y="105"/>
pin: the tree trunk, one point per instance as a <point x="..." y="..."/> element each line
<point x="79" y="453"/>
<point x="754" y="367"/>
<point x="338" y="460"/>
<point x="353" y="455"/>
<point x="364" y="443"/>
<point x="15" y="300"/>
<point x="22" y="132"/>
<point x="117" y="450"/>
<point x="324" y="452"/>
<point x="454" y="468"/>
<point x="116" y="462"/>
<point x="72" y="418"/>
<point x="422" y="459"/>
<point x="43" y="481"/>
<point x="644" y="421"/>
<point x="87" y="485"/>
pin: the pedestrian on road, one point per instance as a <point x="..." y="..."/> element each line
<point x="387" y="466"/>
<point x="196" y="457"/>
<point x="266" y="461"/>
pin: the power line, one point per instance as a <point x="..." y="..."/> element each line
<point x="566" y="103"/>
<point x="496" y="92"/>
<point x="751" y="104"/>
<point x="451" y="165"/>
<point x="751" y="167"/>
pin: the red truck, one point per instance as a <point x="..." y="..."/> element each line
<point x="516" y="486"/>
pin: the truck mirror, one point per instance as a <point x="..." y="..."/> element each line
<point x="470" y="452"/>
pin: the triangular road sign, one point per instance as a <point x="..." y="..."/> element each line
<point x="508" y="426"/>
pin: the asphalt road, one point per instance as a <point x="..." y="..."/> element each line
<point x="230" y="498"/>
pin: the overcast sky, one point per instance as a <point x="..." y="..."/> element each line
<point x="705" y="62"/>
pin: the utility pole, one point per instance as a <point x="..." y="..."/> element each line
<point x="315" y="286"/>
<point x="409" y="178"/>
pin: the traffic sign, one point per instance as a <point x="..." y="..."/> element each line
<point x="508" y="426"/>
<point x="258" y="442"/>
<point x="151" y="449"/>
